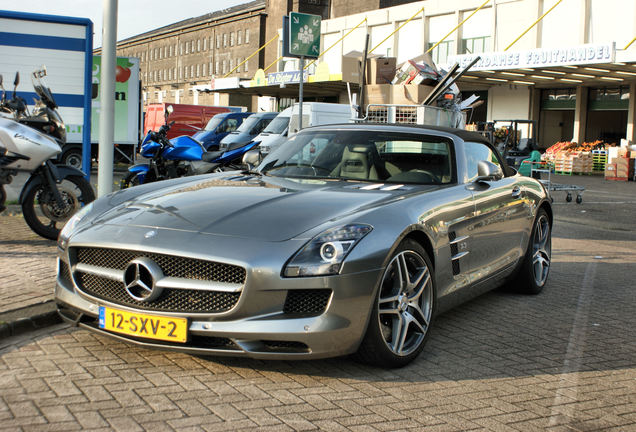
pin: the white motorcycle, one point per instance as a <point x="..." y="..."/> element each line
<point x="28" y="142"/>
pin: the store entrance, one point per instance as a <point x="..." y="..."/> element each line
<point x="556" y="126"/>
<point x="607" y="126"/>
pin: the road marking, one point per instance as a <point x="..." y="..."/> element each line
<point x="569" y="377"/>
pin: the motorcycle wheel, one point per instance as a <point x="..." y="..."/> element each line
<point x="42" y="212"/>
<point x="131" y="179"/>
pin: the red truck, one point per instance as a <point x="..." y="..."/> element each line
<point x="188" y="119"/>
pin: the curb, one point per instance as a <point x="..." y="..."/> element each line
<point x="30" y="318"/>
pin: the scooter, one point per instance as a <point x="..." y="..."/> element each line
<point x="53" y="192"/>
<point x="178" y="157"/>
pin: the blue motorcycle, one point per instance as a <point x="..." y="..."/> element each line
<point x="179" y="157"/>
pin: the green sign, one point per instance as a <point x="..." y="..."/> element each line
<point x="304" y="35"/>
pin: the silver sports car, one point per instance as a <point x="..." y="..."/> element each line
<point x="347" y="239"/>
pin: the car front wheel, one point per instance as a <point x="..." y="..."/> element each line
<point x="535" y="267"/>
<point x="403" y="310"/>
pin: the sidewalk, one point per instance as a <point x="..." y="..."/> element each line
<point x="27" y="278"/>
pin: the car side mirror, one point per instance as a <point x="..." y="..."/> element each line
<point x="169" y="110"/>
<point x="488" y="171"/>
<point x="252" y="158"/>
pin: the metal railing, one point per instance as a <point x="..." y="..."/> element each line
<point x="415" y="114"/>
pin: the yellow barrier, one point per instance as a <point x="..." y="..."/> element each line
<point x="397" y="29"/>
<point x="533" y="24"/>
<point x="336" y="42"/>
<point x="630" y="44"/>
<point x="456" y="27"/>
<point x="251" y="55"/>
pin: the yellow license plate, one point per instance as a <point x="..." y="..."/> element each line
<point x="143" y="325"/>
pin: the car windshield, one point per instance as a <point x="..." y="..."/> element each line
<point x="214" y="122"/>
<point x="248" y="123"/>
<point x="378" y="156"/>
<point x="278" y="125"/>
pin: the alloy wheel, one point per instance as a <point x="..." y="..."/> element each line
<point x="405" y="303"/>
<point x="542" y="250"/>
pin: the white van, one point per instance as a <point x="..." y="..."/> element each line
<point x="275" y="130"/>
<point x="314" y="114"/>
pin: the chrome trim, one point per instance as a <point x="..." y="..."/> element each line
<point x="105" y="272"/>
<point x="182" y="283"/>
<point x="459" y="239"/>
<point x="459" y="255"/>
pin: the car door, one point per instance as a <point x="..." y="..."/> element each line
<point x="500" y="217"/>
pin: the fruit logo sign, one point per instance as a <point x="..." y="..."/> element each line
<point x="126" y="99"/>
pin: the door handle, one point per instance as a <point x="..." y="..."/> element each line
<point x="516" y="192"/>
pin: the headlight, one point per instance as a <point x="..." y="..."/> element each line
<point x="324" y="254"/>
<point x="67" y="230"/>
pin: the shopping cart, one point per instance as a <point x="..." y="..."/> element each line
<point x="539" y="168"/>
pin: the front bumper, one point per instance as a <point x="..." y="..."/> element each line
<point x="258" y="325"/>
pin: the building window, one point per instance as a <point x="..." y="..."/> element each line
<point x="218" y="41"/>
<point x="170" y="51"/>
<point x="170" y="74"/>
<point x="191" y="71"/>
<point x="232" y="39"/>
<point x="238" y="65"/>
<point x="216" y="67"/>
<point x="192" y="46"/>
<point x="198" y="70"/>
<point x="198" y="45"/>
<point x="442" y="51"/>
<point x="180" y="73"/>
<point x="239" y="36"/>
<point x="187" y="45"/>
<point x="224" y="40"/>
<point x="203" y="73"/>
<point x="160" y="53"/>
<point x="224" y="70"/>
<point x="245" y="66"/>
<point x="475" y="45"/>
<point x="181" y="49"/>
<point x="231" y="66"/>
<point x="247" y="35"/>
<point x="165" y="52"/>
<point x="205" y="44"/>
<point x="185" y="72"/>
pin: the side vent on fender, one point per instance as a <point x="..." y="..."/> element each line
<point x="459" y="249"/>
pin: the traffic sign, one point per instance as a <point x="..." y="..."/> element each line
<point x="304" y="35"/>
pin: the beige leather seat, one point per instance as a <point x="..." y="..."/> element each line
<point x="358" y="162"/>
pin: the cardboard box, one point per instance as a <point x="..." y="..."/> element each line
<point x="408" y="94"/>
<point x="624" y="167"/>
<point x="610" y="170"/>
<point x="351" y="66"/>
<point x="380" y="70"/>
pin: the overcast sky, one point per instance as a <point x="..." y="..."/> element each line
<point x="134" y="16"/>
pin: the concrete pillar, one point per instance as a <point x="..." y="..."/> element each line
<point x="631" y="114"/>
<point x="580" y="115"/>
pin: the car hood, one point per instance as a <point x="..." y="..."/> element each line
<point x="237" y="137"/>
<point x="269" y="209"/>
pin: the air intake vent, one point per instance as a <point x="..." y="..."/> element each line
<point x="307" y="302"/>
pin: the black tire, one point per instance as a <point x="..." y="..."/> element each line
<point x="412" y="314"/>
<point x="537" y="258"/>
<point x="41" y="211"/>
<point x="131" y="179"/>
<point x="72" y="157"/>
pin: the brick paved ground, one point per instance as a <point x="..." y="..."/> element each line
<point x="28" y="265"/>
<point x="562" y="361"/>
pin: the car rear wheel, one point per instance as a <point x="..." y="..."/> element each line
<point x="533" y="273"/>
<point x="403" y="310"/>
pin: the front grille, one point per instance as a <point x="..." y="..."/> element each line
<point x="172" y="266"/>
<point x="171" y="300"/>
<point x="307" y="302"/>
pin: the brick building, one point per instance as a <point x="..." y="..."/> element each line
<point x="179" y="60"/>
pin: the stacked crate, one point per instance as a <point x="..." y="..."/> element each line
<point x="569" y="163"/>
<point x="600" y="160"/>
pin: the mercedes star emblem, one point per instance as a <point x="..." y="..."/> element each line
<point x="140" y="279"/>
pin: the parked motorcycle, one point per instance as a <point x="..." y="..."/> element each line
<point x="53" y="192"/>
<point x="178" y="157"/>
